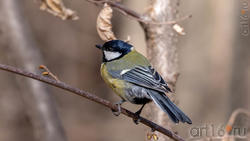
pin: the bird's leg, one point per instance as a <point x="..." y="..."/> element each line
<point x="117" y="113"/>
<point x="137" y="119"/>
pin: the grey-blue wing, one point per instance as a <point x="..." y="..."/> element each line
<point x="146" y="77"/>
<point x="147" y="84"/>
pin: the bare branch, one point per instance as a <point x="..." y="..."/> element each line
<point x="124" y="10"/>
<point x="139" y="17"/>
<point x="231" y="121"/>
<point x="235" y="114"/>
<point x="91" y="97"/>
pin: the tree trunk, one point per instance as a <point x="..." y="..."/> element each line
<point x="162" y="52"/>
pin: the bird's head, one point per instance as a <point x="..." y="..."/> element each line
<point x="114" y="49"/>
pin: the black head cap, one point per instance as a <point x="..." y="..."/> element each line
<point x="116" y="46"/>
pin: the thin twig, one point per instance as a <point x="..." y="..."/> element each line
<point x="231" y="121"/>
<point x="91" y="97"/>
<point x="235" y="114"/>
<point x="124" y="10"/>
<point x="133" y="14"/>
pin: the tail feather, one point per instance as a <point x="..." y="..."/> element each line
<point x="169" y="107"/>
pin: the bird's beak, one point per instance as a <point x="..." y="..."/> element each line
<point x="98" y="46"/>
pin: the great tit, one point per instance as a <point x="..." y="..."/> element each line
<point x="131" y="77"/>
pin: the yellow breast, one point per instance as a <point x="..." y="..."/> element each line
<point x="116" y="84"/>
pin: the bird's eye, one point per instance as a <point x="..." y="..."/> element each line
<point x="110" y="49"/>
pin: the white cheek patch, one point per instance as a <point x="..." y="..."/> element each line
<point x="111" y="55"/>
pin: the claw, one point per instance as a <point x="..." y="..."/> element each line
<point x="118" y="104"/>
<point x="137" y="120"/>
<point x="117" y="113"/>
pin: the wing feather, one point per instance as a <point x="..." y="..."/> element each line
<point x="146" y="77"/>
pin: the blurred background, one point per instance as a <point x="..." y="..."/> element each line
<point x="214" y="62"/>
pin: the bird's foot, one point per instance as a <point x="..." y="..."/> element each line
<point x="117" y="113"/>
<point x="137" y="118"/>
<point x="118" y="104"/>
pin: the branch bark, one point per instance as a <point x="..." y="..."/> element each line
<point x="40" y="106"/>
<point x="91" y="97"/>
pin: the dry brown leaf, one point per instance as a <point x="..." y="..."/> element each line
<point x="103" y="25"/>
<point x="57" y="8"/>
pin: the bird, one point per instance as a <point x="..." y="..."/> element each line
<point x="133" y="79"/>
